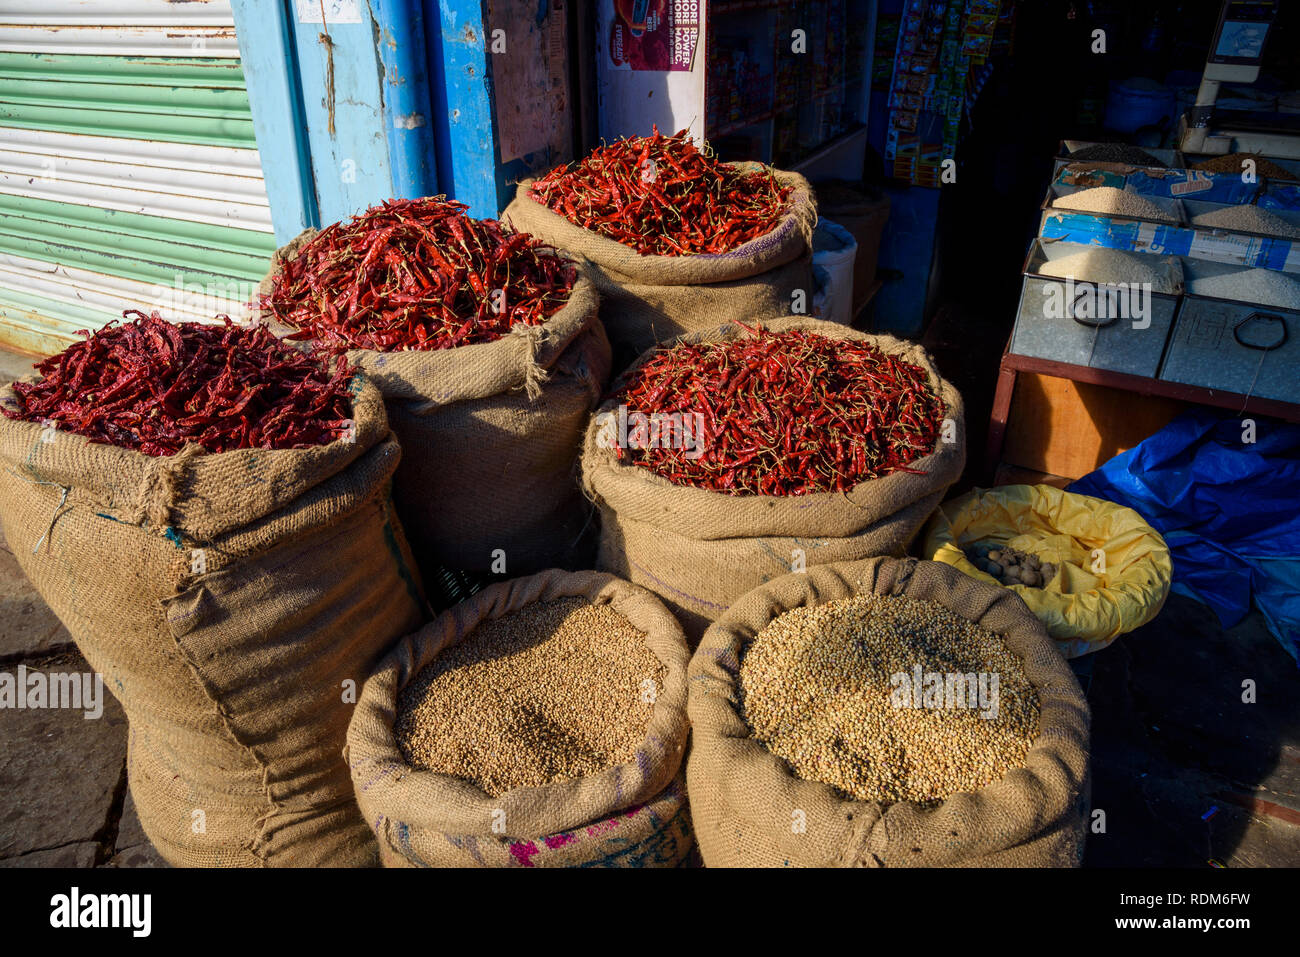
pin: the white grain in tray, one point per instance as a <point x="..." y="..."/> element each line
<point x="1265" y="287"/>
<point x="1248" y="219"/>
<point x="1113" y="202"/>
<point x="1111" y="267"/>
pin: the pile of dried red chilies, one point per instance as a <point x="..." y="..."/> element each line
<point x="785" y="413"/>
<point x="417" y="274"/>
<point x="662" y="196"/>
<point x="156" y="386"/>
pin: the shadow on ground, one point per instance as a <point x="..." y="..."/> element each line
<point x="1173" y="740"/>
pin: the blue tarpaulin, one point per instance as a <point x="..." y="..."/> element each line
<point x="1229" y="510"/>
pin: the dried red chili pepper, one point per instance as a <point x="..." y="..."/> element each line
<point x="786" y="413"/>
<point x="156" y="386"/>
<point x="626" y="191"/>
<point x="417" y="274"/>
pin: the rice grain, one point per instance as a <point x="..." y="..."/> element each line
<point x="1262" y="286"/>
<point x="1100" y="264"/>
<point x="1248" y="219"/>
<point x="1113" y="202"/>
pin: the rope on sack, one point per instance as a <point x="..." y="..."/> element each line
<point x="63" y="500"/>
<point x="535" y="375"/>
<point x="158" y="487"/>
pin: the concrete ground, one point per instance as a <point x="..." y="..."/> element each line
<point x="1185" y="771"/>
<point x="63" y="794"/>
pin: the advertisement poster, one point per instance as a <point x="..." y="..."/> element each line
<point x="654" y="35"/>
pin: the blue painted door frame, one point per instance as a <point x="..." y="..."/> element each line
<point x="279" y="120"/>
<point x="464" y="130"/>
<point x="383" y="98"/>
<point x="409" y="119"/>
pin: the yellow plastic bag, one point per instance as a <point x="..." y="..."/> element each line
<point x="1115" y="569"/>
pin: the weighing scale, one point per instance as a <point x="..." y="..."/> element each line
<point x="1235" y="55"/>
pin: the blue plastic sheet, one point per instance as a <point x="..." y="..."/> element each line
<point x="1280" y="197"/>
<point x="1229" y="510"/>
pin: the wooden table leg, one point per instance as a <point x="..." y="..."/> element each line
<point x="998" y="421"/>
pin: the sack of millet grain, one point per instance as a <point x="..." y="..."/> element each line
<point x="751" y="809"/>
<point x="700" y="549"/>
<point x="231" y="601"/>
<point x="488" y="737"/>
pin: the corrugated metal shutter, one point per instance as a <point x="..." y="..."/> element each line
<point x="129" y="174"/>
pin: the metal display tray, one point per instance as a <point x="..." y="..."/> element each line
<point x="1243" y="347"/>
<point x="1107" y="334"/>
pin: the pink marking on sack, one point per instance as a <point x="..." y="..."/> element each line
<point x="613" y="822"/>
<point x="559" y="840"/>
<point x="523" y="852"/>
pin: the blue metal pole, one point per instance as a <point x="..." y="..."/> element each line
<point x="407" y="113"/>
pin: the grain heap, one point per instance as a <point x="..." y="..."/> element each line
<point x="1232" y="163"/>
<point x="1109" y="267"/>
<point x="549" y="691"/>
<point x="1117" y="153"/>
<point x="1248" y="219"/>
<point x="1114" y="202"/>
<point x="819" y="690"/>
<point x="1264" y="286"/>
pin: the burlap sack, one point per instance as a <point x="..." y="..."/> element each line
<point x="231" y="602"/>
<point x="701" y="550"/>
<point x="631" y="815"/>
<point x="650" y="299"/>
<point x="490" y="435"/>
<point x="751" y="811"/>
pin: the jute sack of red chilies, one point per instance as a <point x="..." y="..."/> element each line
<point x="490" y="436"/>
<point x="701" y="550"/>
<point x="744" y="798"/>
<point x="645" y="299"/>
<point x="630" y="815"/>
<point x="233" y="603"/>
